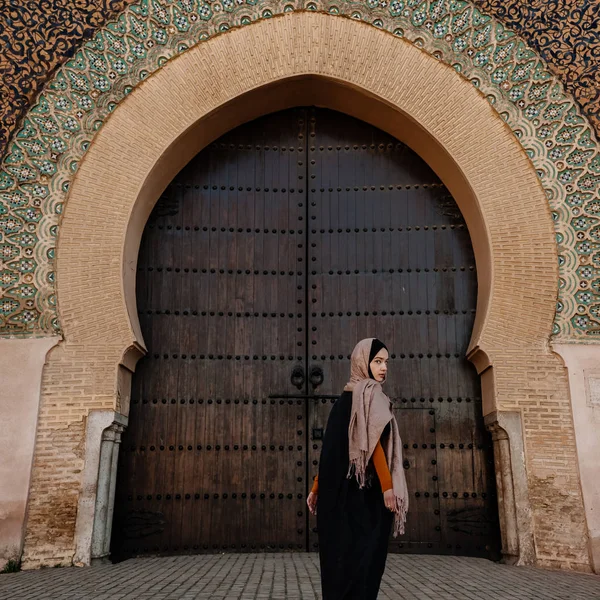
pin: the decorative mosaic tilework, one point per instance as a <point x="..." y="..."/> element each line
<point x="567" y="37"/>
<point x="57" y="131"/>
<point x="35" y="38"/>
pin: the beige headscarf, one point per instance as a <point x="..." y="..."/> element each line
<point x="371" y="412"/>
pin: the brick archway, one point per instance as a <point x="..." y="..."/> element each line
<point x="306" y="58"/>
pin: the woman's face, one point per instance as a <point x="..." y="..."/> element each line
<point x="379" y="365"/>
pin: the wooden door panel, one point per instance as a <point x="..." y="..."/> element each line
<point x="210" y="461"/>
<point x="390" y="257"/>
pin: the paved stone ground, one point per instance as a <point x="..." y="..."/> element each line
<point x="294" y="577"/>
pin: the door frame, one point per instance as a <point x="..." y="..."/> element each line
<point x="424" y="104"/>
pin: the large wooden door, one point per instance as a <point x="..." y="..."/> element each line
<point x="266" y="259"/>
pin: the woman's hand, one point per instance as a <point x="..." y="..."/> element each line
<point x="311" y="502"/>
<point x="389" y="499"/>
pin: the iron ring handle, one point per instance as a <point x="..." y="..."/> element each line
<point x="316" y="376"/>
<point x="297" y="377"/>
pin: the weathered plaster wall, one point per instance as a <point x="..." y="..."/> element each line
<point x="583" y="365"/>
<point x="19" y="407"/>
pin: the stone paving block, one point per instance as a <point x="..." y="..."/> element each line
<point x="293" y="577"/>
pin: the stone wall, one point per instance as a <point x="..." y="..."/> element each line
<point x="82" y="374"/>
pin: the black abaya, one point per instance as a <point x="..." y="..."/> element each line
<point x="354" y="525"/>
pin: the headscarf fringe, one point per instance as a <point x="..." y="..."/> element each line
<point x="358" y="469"/>
<point x="400" y="516"/>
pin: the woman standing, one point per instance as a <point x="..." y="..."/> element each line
<point x="361" y="488"/>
